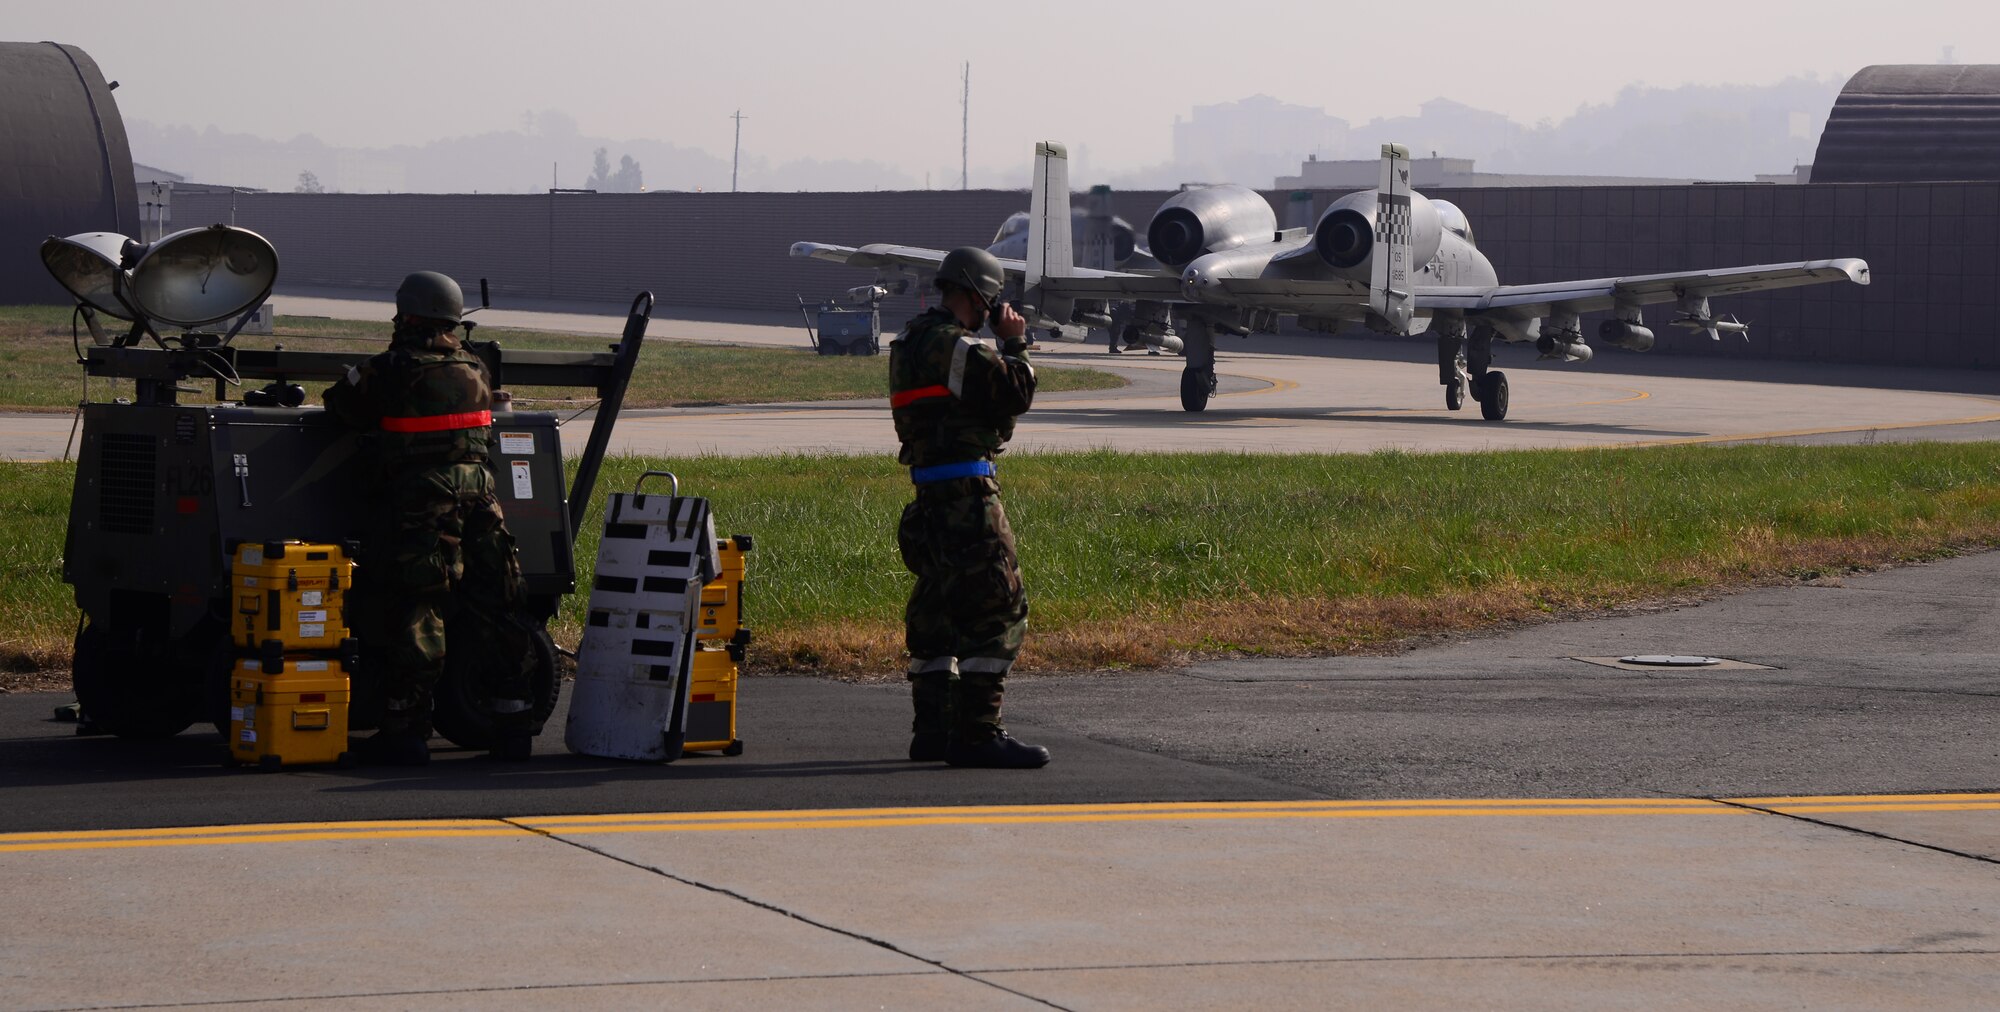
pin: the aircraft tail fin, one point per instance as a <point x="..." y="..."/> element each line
<point x="1389" y="292"/>
<point x="1051" y="249"/>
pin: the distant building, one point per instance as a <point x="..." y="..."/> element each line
<point x="156" y="200"/>
<point x="1799" y="174"/>
<point x="1914" y="123"/>
<point x="1249" y="138"/>
<point x="1437" y="173"/>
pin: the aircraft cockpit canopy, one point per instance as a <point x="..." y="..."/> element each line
<point x="1454" y="220"/>
<point x="1015" y="224"/>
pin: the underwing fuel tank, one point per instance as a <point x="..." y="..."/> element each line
<point x="1629" y="336"/>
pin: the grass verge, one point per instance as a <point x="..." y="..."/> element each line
<point x="38" y="367"/>
<point x="1137" y="561"/>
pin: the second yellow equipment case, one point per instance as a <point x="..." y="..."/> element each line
<point x="720" y="640"/>
<point x="290" y="714"/>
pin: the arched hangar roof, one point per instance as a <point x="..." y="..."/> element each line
<point x="1913" y="123"/>
<point x="64" y="164"/>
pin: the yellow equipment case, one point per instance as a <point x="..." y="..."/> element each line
<point x="289" y="714"/>
<point x="290" y="597"/>
<point x="720" y="639"/>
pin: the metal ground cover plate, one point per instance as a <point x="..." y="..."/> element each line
<point x="1659" y="662"/>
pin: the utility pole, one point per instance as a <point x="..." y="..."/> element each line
<point x="736" y="159"/>
<point x="965" y="126"/>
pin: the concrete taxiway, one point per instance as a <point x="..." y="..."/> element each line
<point x="1286" y="394"/>
<point x="1505" y="821"/>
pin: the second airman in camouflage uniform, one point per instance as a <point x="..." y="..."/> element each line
<point x="440" y="554"/>
<point x="955" y="398"/>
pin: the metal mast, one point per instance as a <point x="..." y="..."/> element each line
<point x="736" y="159"/>
<point x="965" y="126"/>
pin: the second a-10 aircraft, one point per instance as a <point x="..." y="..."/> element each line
<point x="1388" y="258"/>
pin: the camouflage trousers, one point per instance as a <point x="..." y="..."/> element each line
<point x="968" y="612"/>
<point x="448" y="565"/>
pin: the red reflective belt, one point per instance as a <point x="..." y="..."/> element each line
<point x="908" y="397"/>
<point x="438" y="423"/>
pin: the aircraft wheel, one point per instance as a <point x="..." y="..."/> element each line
<point x="120" y="687"/>
<point x="1454" y="397"/>
<point x="1196" y="385"/>
<point x="1493" y="396"/>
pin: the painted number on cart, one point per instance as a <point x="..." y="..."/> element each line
<point x="524" y="486"/>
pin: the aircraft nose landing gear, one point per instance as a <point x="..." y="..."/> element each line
<point x="1196" y="386"/>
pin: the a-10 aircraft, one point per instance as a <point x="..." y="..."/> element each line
<point x="1388" y="258"/>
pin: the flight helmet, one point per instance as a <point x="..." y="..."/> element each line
<point x="430" y="295"/>
<point x="972" y="268"/>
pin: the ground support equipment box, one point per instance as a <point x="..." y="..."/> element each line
<point x="632" y="669"/>
<point x="290" y="714"/>
<point x="720" y="639"/>
<point x="290" y="597"/>
<point x="711" y="720"/>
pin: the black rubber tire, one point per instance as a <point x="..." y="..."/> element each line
<point x="1196" y="385"/>
<point x="1493" y="396"/>
<point x="459" y="712"/>
<point x="123" y="690"/>
<point x="1454" y="397"/>
<point x="733" y="748"/>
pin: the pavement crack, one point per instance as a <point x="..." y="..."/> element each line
<point x="500" y="989"/>
<point x="1494" y="958"/>
<point x="1888" y="837"/>
<point x="882" y="943"/>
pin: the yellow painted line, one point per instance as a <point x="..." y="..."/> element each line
<point x="989" y="815"/>
<point x="498" y="829"/>
<point x="1277" y="385"/>
<point x="250" y="828"/>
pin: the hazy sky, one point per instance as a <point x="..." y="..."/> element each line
<point x="880" y="80"/>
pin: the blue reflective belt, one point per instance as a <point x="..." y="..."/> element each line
<point x="946" y="472"/>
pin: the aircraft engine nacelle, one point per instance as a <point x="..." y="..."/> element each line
<point x="1629" y="336"/>
<point x="1345" y="235"/>
<point x="1124" y="241"/>
<point x="1210" y="219"/>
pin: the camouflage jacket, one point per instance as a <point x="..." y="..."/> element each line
<point x="427" y="400"/>
<point x="954" y="396"/>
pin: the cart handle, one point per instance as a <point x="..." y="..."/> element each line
<point x="669" y="475"/>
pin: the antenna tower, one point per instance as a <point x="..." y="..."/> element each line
<point x="736" y="159"/>
<point x="965" y="126"/>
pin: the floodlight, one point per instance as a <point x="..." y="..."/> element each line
<point x="203" y="275"/>
<point x="91" y="266"/>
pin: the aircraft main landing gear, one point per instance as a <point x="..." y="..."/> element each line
<point x="1491" y="389"/>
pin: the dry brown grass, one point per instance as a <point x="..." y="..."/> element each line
<point x="1285" y="626"/>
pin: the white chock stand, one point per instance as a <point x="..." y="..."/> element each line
<point x="632" y="669"/>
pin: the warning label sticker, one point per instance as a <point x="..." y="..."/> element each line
<point x="313" y="631"/>
<point x="517" y="444"/>
<point x="312" y="616"/>
<point x="524" y="483"/>
<point x="311" y="598"/>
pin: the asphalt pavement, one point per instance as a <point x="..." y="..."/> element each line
<point x="1516" y="820"/>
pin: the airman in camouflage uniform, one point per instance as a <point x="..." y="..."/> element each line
<point x="441" y="555"/>
<point x="955" y="398"/>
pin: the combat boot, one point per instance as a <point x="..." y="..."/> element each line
<point x="513" y="732"/>
<point x="980" y="740"/>
<point x="395" y="747"/>
<point x="930" y="698"/>
<point x="1000" y="752"/>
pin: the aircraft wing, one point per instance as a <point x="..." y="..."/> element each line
<point x="1598" y="294"/>
<point x="1085" y="283"/>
